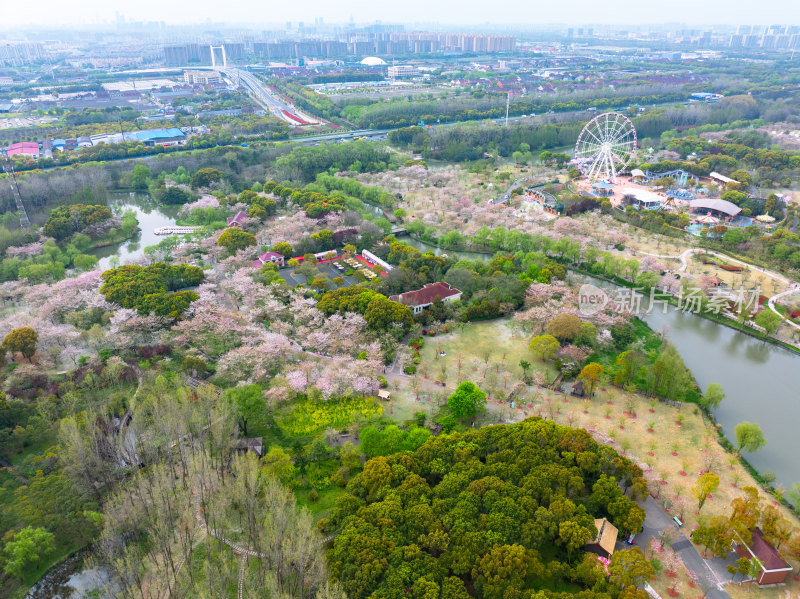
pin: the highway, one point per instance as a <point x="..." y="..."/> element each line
<point x="267" y="98"/>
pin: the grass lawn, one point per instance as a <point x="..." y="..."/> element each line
<point x="489" y="354"/>
<point x="326" y="500"/>
<point x="481" y="349"/>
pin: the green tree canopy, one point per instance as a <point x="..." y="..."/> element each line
<point x="564" y="327"/>
<point x="466" y="401"/>
<point x="544" y="347"/>
<point x="175" y="195"/>
<point x="147" y="288"/>
<point x="629" y="567"/>
<point x="713" y="396"/>
<point x="749" y="436"/>
<point x="205" y="177"/>
<point x="22" y="340"/>
<point x="234" y="239"/>
<point x="495" y="512"/>
<point x="26" y="547"/>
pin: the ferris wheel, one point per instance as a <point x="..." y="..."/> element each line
<point x="605" y="146"/>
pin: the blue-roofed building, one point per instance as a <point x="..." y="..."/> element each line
<point x="705" y="97"/>
<point x="603" y="189"/>
<point x="151" y="137"/>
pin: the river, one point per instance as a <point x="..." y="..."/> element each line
<point x="150" y="215"/>
<point x="759" y="378"/>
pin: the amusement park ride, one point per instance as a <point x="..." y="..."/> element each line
<point x="605" y="147"/>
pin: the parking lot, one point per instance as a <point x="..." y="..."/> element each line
<point x="326" y="268"/>
<point x="21" y="122"/>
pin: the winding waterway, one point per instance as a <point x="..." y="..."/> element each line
<point x="150" y="215"/>
<point x="760" y="380"/>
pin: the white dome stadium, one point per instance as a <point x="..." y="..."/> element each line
<point x="373" y="61"/>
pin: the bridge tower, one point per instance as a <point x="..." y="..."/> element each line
<point x="221" y="47"/>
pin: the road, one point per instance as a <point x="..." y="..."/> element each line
<point x="712" y="571"/>
<point x="266" y="97"/>
<point x="507" y="194"/>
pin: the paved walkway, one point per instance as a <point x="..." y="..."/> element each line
<point x="713" y="571"/>
<point x="794" y="287"/>
<point x="771" y="303"/>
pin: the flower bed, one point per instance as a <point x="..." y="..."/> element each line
<point x="310" y="417"/>
<point x="731" y="268"/>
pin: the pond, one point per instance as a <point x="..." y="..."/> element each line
<point x="150" y="215"/>
<point x="760" y="379"/>
<point x="71" y="580"/>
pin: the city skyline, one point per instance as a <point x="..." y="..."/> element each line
<point x="50" y="13"/>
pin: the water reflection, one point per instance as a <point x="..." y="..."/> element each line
<point x="150" y="215"/>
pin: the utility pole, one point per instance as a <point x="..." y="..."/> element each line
<point x="8" y="168"/>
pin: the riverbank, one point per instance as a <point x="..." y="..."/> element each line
<point x="740" y="363"/>
<point x="71" y="578"/>
<point x="117" y="239"/>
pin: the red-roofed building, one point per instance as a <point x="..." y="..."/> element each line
<point x="269" y="258"/>
<point x="236" y="221"/>
<point x="423" y="298"/>
<point x="774" y="569"/>
<point x="29" y="148"/>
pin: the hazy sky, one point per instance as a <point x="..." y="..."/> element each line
<point x="65" y="12"/>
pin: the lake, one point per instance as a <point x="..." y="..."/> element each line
<point x="150" y="215"/>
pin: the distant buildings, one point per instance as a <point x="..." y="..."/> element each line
<point x="24" y="148"/>
<point x="202" y="77"/>
<point x="237" y="220"/>
<point x="16" y="54"/>
<point x="715" y="206"/>
<point x="720" y="179"/>
<point x="45" y="147"/>
<point x="605" y="541"/>
<point x="361" y="43"/>
<point x="269" y="258"/>
<point x="705" y="97"/>
<point x="200" y="53"/>
<point x="400" y="71"/>
<point x="772" y="568"/>
<point x="162" y="137"/>
<point x="642" y="198"/>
